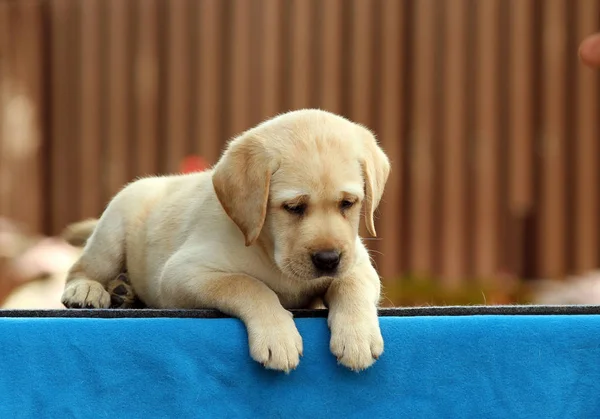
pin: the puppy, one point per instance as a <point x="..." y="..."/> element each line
<point x="121" y="293"/>
<point x="271" y="227"/>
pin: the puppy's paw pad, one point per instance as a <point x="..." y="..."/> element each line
<point x="121" y="292"/>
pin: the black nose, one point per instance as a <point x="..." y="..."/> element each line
<point x="326" y="261"/>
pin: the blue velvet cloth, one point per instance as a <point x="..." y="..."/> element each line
<point x="485" y="366"/>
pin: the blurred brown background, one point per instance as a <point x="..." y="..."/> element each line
<point x="489" y="119"/>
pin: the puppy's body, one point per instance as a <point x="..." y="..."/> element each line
<point x="180" y="217"/>
<point x="273" y="226"/>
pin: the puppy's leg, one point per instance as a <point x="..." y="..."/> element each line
<point x="273" y="338"/>
<point x="100" y="262"/>
<point x="356" y="338"/>
<point x="317" y="304"/>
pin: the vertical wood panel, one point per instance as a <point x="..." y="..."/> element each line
<point x="177" y="121"/>
<point x="330" y="95"/>
<point x="521" y="115"/>
<point x="146" y="71"/>
<point x="5" y="36"/>
<point x="90" y="165"/>
<point x="454" y="144"/>
<point x="587" y="207"/>
<point x="552" y="206"/>
<point x="361" y="64"/>
<point x="118" y="99"/>
<point x="271" y="58"/>
<point x="486" y="142"/>
<point x="421" y="170"/>
<point x="209" y="93"/>
<point x="16" y="117"/>
<point x="301" y="77"/>
<point x="391" y="92"/>
<point x="239" y="99"/>
<point x="30" y="65"/>
<point x="63" y="112"/>
<point x="361" y="67"/>
<point x="521" y="133"/>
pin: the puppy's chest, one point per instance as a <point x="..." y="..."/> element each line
<point x="299" y="295"/>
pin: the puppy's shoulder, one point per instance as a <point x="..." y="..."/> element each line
<point x="138" y="191"/>
<point x="150" y="185"/>
<point x="149" y="182"/>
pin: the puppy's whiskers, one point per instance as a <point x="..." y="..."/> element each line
<point x="289" y="266"/>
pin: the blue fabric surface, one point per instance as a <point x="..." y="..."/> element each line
<point x="433" y="367"/>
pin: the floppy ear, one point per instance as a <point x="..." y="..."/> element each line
<point x="241" y="180"/>
<point x="376" y="169"/>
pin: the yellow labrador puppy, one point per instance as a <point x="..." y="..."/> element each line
<point x="271" y="227"/>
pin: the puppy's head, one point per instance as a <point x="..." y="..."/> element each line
<point x="299" y="181"/>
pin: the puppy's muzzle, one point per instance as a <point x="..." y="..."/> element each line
<point x="326" y="261"/>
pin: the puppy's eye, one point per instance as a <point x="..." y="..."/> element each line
<point x="345" y="204"/>
<point x="296" y="209"/>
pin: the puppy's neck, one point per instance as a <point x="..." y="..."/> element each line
<point x="264" y="243"/>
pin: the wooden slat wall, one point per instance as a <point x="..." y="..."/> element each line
<point x="586" y="180"/>
<point x="521" y="131"/>
<point x="239" y="70"/>
<point x="146" y="73"/>
<point x="117" y="31"/>
<point x="454" y="148"/>
<point x="489" y="119"/>
<point x="210" y="80"/>
<point x="90" y="125"/>
<point x="392" y="121"/>
<point x="6" y="182"/>
<point x="551" y="256"/>
<point x="270" y="75"/>
<point x="486" y="151"/>
<point x="331" y="60"/>
<point x="178" y="82"/>
<point x="63" y="158"/>
<point x="21" y="96"/>
<point x="421" y="138"/>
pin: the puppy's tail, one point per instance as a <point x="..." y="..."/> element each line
<point x="76" y="234"/>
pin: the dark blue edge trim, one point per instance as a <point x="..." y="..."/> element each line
<point x="510" y="310"/>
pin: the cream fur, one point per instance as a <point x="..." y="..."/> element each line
<point x="223" y="239"/>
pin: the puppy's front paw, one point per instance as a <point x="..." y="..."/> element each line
<point x="85" y="293"/>
<point x="356" y="341"/>
<point x="275" y="342"/>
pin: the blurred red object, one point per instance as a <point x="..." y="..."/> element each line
<point x="192" y="164"/>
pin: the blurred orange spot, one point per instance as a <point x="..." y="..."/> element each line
<point x="192" y="164"/>
<point x="589" y="51"/>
